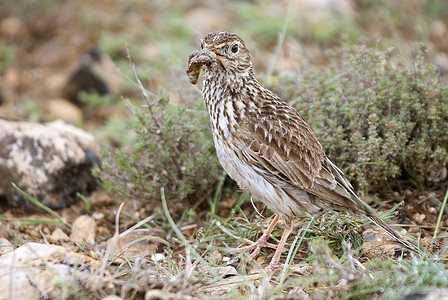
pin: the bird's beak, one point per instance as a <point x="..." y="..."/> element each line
<point x="198" y="59"/>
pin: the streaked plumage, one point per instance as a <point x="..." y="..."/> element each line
<point x="264" y="144"/>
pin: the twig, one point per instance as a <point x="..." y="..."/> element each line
<point x="142" y="89"/>
<point x="281" y="39"/>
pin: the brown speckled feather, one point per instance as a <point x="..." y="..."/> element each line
<point x="277" y="138"/>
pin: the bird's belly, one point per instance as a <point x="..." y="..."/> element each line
<point x="251" y="180"/>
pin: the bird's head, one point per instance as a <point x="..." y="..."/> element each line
<point x="220" y="52"/>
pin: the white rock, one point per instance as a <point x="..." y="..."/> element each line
<point x="29" y="271"/>
<point x="5" y="246"/>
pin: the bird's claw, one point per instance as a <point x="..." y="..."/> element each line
<point x="255" y="246"/>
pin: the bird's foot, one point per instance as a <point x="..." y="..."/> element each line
<point x="273" y="266"/>
<point x="255" y="246"/>
<point x="262" y="242"/>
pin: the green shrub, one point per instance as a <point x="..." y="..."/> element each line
<point x="7" y="57"/>
<point x="173" y="149"/>
<point x="376" y="117"/>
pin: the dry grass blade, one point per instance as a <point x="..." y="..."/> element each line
<point x="111" y="245"/>
<point x="144" y="221"/>
<point x="181" y="236"/>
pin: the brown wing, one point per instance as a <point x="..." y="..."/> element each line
<point x="285" y="147"/>
<point x="281" y="142"/>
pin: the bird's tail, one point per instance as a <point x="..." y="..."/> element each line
<point x="370" y="212"/>
<point x="409" y="245"/>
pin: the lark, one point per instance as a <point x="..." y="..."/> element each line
<point x="266" y="146"/>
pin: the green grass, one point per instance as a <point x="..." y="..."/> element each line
<point x="442" y="211"/>
<point x="7" y="57"/>
<point x="36" y="202"/>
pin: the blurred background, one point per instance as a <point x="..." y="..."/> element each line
<point x="67" y="59"/>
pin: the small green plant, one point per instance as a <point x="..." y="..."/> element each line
<point x="377" y="118"/>
<point x="344" y="277"/>
<point x="173" y="149"/>
<point x="116" y="132"/>
<point x="86" y="201"/>
<point x="31" y="111"/>
<point x="93" y="100"/>
<point x="7" y="57"/>
<point x="337" y="228"/>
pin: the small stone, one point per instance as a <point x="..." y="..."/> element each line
<point x="5" y="246"/>
<point x="83" y="230"/>
<point x="418" y="218"/>
<point x="216" y="257"/>
<point x="10" y="26"/>
<point x="379" y="244"/>
<point x="98" y="215"/>
<point x="443" y="172"/>
<point x="438" y="29"/>
<point x="226" y="271"/>
<point x="96" y="73"/>
<point x="64" y="110"/>
<point x="158" y="257"/>
<point x="58" y="236"/>
<point x="140" y="242"/>
<point x="112" y="297"/>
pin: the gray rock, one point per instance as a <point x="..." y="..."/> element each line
<point x="51" y="162"/>
<point x="96" y="73"/>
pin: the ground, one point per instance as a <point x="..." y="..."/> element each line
<point x="41" y="47"/>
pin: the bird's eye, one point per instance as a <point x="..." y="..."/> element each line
<point x="235" y="48"/>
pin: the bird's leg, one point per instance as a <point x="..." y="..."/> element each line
<point x="262" y="241"/>
<point x="275" y="262"/>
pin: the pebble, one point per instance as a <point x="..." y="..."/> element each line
<point x="58" y="236"/>
<point x="5" y="246"/>
<point x="64" y="110"/>
<point x="83" y="230"/>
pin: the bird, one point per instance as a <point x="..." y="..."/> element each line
<point x="266" y="146"/>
